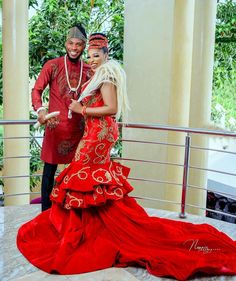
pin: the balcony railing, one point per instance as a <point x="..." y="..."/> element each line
<point x="185" y="186"/>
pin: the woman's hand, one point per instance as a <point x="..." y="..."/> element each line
<point x="75" y="106"/>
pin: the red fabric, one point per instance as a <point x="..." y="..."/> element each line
<point x="93" y="223"/>
<point x="121" y="234"/>
<point x="60" y="141"/>
<point x="80" y="186"/>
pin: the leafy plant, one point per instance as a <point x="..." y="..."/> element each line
<point x="35" y="161"/>
<point x="49" y="26"/>
<point x="1" y="93"/>
<point x="224" y="78"/>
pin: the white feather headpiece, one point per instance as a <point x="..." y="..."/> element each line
<point x="111" y="72"/>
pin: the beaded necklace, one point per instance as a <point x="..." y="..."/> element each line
<point x="67" y="76"/>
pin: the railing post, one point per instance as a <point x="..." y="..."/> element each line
<point x="185" y="175"/>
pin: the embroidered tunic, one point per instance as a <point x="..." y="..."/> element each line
<point x="60" y="139"/>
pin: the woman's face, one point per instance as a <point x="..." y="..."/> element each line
<point x="96" y="57"/>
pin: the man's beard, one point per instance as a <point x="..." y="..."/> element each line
<point x="75" y="59"/>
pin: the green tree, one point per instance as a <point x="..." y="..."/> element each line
<point x="49" y="26"/>
<point x="224" y="78"/>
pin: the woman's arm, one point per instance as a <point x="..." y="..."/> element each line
<point x="108" y="91"/>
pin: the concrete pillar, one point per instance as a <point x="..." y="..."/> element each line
<point x="147" y="60"/>
<point x="180" y="94"/>
<point x="201" y="90"/>
<point x="15" y="97"/>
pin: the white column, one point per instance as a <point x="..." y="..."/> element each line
<point x="15" y="97"/>
<point x="201" y="90"/>
<point x="147" y="59"/>
<point x="180" y="94"/>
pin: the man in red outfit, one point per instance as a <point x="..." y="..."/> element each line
<point x="65" y="76"/>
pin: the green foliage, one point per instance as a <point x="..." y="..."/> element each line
<point x="33" y="3"/>
<point x="35" y="164"/>
<point x="224" y="78"/>
<point x="48" y="28"/>
<point x="1" y="91"/>
<point x="226" y="21"/>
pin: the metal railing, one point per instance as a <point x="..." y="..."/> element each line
<point x="186" y="165"/>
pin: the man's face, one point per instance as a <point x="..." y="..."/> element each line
<point x="74" y="47"/>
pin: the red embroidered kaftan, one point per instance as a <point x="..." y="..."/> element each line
<point x="60" y="141"/>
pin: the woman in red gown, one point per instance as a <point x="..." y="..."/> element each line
<point x="93" y="224"/>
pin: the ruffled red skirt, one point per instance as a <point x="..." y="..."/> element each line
<point x="93" y="224"/>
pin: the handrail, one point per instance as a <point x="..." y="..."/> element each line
<point x="142" y="126"/>
<point x="186" y="166"/>
<point x="18" y="122"/>
<point x="177" y="129"/>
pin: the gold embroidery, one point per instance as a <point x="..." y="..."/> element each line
<point x="110" y="136"/>
<point x="73" y="200"/>
<point x="116" y="173"/>
<point x="105" y="178"/>
<point x="82" y="175"/>
<point x="79" y="147"/>
<point x="94" y="99"/>
<point x="98" y="189"/>
<point x="52" y="123"/>
<point x="117" y="191"/>
<point x="101" y="158"/>
<point x="79" y="155"/>
<point x="104" y="129"/>
<point x="55" y="191"/>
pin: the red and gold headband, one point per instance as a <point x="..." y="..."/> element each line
<point x="97" y="41"/>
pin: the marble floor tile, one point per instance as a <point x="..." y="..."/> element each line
<point x="110" y="274"/>
<point x="12" y="263"/>
<point x="39" y="276"/>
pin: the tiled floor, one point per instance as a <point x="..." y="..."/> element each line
<point x="110" y="274"/>
<point x="14" y="267"/>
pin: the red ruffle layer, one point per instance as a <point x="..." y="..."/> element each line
<point x="80" y="186"/>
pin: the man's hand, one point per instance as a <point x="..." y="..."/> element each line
<point x="41" y="116"/>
